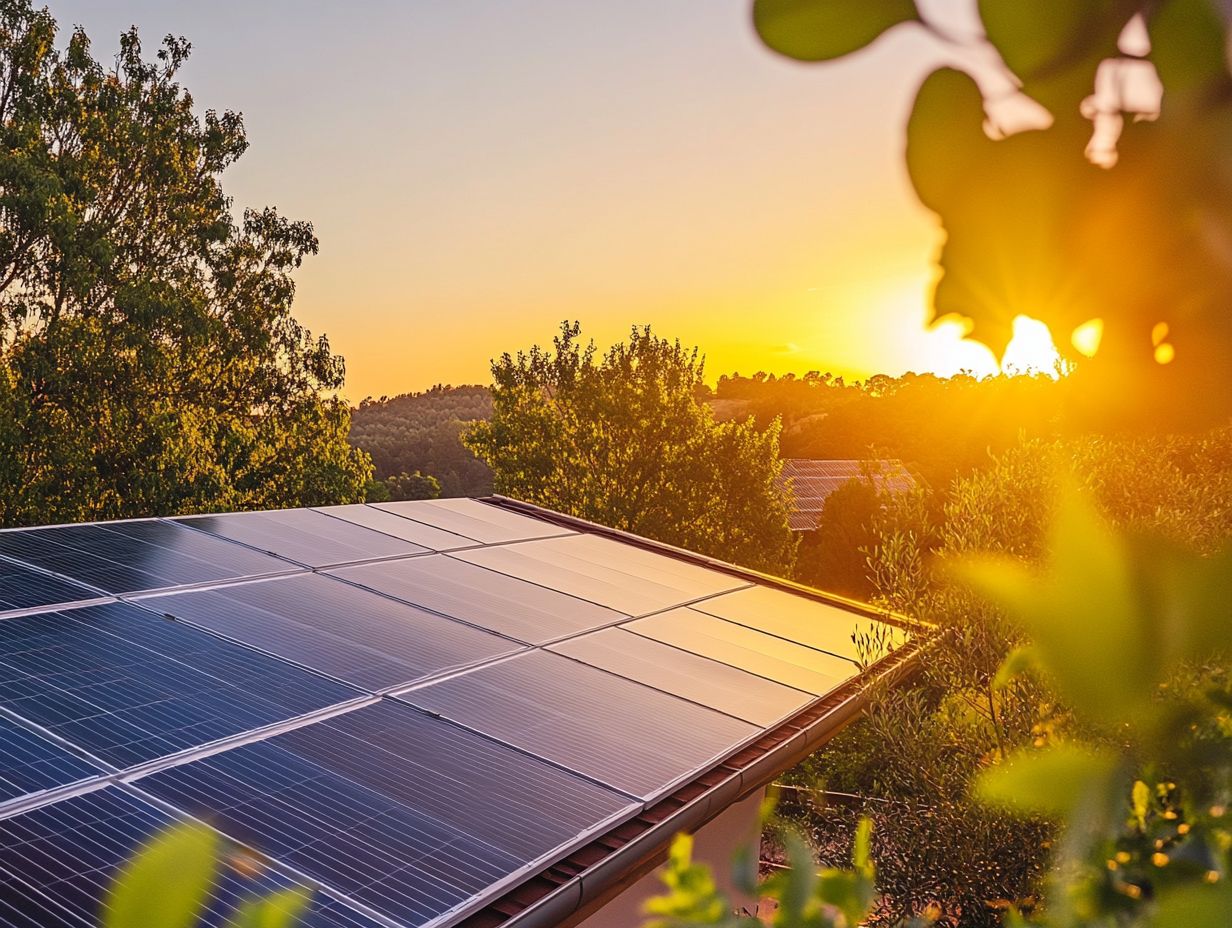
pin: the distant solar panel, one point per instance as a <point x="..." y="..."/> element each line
<point x="482" y="597"/>
<point x="32" y="764"/>
<point x="128" y="686"/>
<point x="687" y="675"/>
<point x="403" y="812"/>
<point x="765" y="655"/>
<point x="22" y="587"/>
<point x="129" y="557"/>
<point x="382" y="520"/>
<point x="485" y="523"/>
<point x="606" y="572"/>
<point x="57" y="864"/>
<point x="631" y="737"/>
<point x="305" y="536"/>
<point x="369" y="640"/>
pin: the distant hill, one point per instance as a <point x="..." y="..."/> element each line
<point x="422" y="432"/>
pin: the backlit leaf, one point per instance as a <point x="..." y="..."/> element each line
<point x="281" y="909"/>
<point x="818" y="30"/>
<point x="167" y="882"/>
<point x="1050" y="782"/>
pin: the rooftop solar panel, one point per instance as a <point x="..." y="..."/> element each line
<point x="796" y="618"/>
<point x="482" y="597"/>
<point x="485" y="523"/>
<point x="31" y="764"/>
<point x="22" y="587"/>
<point x="765" y="655"/>
<point x="305" y="536"/>
<point x="400" y="527"/>
<point x="333" y="627"/>
<point x="58" y="862"/>
<point x="403" y="812"/>
<point x="681" y="673"/>
<point x="607" y="572"/>
<point x="128" y="686"/>
<point x="631" y="737"/>
<point x="130" y="557"/>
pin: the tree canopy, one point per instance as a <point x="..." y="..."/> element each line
<point x="626" y="440"/>
<point x="149" y="361"/>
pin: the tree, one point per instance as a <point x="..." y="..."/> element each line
<point x="149" y="361"/>
<point x="624" y="440"/>
<point x="413" y="486"/>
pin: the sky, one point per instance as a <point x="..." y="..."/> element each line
<point x="479" y="170"/>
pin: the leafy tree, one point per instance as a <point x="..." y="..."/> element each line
<point x="834" y="556"/>
<point x="149" y="361"/>
<point x="624" y="440"/>
<point x="413" y="486"/>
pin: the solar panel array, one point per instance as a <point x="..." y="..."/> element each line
<point x="812" y="481"/>
<point x="408" y="708"/>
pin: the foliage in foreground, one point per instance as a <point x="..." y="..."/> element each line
<point x="1130" y="631"/>
<point x="625" y="440"/>
<point x="149" y="361"/>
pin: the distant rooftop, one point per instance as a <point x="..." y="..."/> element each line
<point x="813" y="481"/>
<point x="436" y="713"/>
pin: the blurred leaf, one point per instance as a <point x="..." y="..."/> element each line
<point x="1084" y="614"/>
<point x="861" y="851"/>
<point x="1187" y="45"/>
<point x="1195" y="907"/>
<point x="1043" y="37"/>
<point x="1019" y="661"/>
<point x="1141" y="799"/>
<point x="818" y="30"/>
<point x="282" y="909"/>
<point x="167" y="882"/>
<point x="1050" y="782"/>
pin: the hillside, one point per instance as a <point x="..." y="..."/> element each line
<point x="422" y="432"/>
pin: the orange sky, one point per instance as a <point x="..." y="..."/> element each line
<point x="478" y="171"/>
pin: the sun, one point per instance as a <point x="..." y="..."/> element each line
<point x="1031" y="349"/>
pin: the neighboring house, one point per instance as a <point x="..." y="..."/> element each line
<point x="812" y="481"/>
<point x="445" y="713"/>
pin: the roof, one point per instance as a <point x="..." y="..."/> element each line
<point x="435" y="713"/>
<point x="812" y="481"/>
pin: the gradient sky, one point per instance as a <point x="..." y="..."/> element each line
<point x="478" y="170"/>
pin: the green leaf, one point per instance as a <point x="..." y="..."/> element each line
<point x="1019" y="661"/>
<point x="1195" y="907"/>
<point x="819" y="30"/>
<point x="282" y="909"/>
<point x="1187" y="45"/>
<point x="1045" y="36"/>
<point x="1141" y="803"/>
<point x="167" y="882"/>
<point x="1051" y="782"/>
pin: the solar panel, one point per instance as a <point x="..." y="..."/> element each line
<point x="485" y="523"/>
<point x="22" y="587"/>
<point x="796" y="618"/>
<point x="681" y="673"/>
<point x="631" y="737"/>
<point x="32" y="764"/>
<point x="400" y="527"/>
<point x="482" y="597"/>
<point x="607" y="572"/>
<point x="58" y="863"/>
<point x="141" y="555"/>
<point x="765" y="655"/>
<point x="405" y="813"/>
<point x="333" y="627"/>
<point x="305" y="536"/>
<point x="128" y="686"/>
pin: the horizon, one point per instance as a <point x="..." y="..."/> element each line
<point x="792" y="206"/>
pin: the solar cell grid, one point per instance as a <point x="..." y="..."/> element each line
<point x="336" y="628"/>
<point x="492" y="600"/>
<point x="22" y="587"/>
<point x="30" y="763"/>
<point x="304" y="535"/>
<point x="391" y="524"/>
<point x="130" y="557"/>
<point x="128" y="686"/>
<point x="60" y="860"/>
<point x="401" y="811"/>
<point x="485" y="523"/>
<point x="631" y="737"/>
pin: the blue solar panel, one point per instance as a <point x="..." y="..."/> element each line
<point x="129" y="686"/>
<point x="637" y="739"/>
<point x="403" y="812"/>
<point x="22" y="587"/>
<point x="372" y="641"/>
<point x="58" y="862"/>
<point x="129" y="557"/>
<point x="31" y="764"/>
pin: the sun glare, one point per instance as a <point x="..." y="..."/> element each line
<point x="1031" y="349"/>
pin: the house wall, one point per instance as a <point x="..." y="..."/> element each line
<point x="714" y="844"/>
